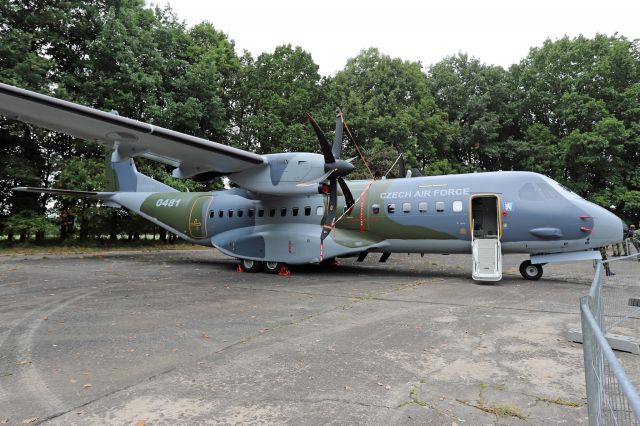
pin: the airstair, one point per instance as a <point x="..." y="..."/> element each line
<point x="487" y="259"/>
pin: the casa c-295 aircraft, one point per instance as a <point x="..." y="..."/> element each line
<point x="297" y="208"/>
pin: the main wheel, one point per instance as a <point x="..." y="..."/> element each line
<point x="250" y="265"/>
<point x="329" y="262"/>
<point x="272" y="267"/>
<point x="530" y="271"/>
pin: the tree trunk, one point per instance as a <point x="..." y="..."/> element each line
<point x="113" y="232"/>
<point x="10" y="237"/>
<point x="163" y="235"/>
<point x="39" y="236"/>
<point x="84" y="223"/>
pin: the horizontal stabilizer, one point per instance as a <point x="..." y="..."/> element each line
<point x="68" y="192"/>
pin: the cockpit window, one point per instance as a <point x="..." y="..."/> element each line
<point x="560" y="188"/>
<point x="538" y="191"/>
<point x="528" y="193"/>
<point x="547" y="190"/>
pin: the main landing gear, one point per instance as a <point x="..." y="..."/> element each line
<point x="530" y="271"/>
<point x="248" y="265"/>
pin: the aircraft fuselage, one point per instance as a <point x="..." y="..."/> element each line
<point x="527" y="212"/>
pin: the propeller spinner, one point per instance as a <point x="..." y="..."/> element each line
<point x="336" y="169"/>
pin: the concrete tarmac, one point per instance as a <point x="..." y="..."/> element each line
<point x="182" y="338"/>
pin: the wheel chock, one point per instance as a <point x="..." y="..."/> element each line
<point x="239" y="268"/>
<point x="284" y="271"/>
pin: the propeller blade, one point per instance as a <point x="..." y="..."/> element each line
<point x="337" y="139"/>
<point x="331" y="210"/>
<point x="324" y="144"/>
<point x="348" y="196"/>
<point x="316" y="180"/>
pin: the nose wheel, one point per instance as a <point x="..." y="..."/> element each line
<point x="529" y="271"/>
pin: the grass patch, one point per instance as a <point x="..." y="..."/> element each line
<point x="505" y="411"/>
<point x="560" y="401"/>
<point x="413" y="399"/>
<point x="75" y="247"/>
<point x="370" y="296"/>
<point x="500" y="410"/>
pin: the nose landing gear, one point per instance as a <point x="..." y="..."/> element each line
<point x="530" y="271"/>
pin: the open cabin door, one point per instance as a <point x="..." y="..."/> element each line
<point x="485" y="237"/>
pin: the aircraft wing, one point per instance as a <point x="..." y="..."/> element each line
<point x="188" y="154"/>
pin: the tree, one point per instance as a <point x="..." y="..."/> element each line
<point x="585" y="93"/>
<point x="479" y="104"/>
<point x="387" y="99"/>
<point x="278" y="88"/>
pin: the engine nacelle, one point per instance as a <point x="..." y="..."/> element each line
<point x="283" y="173"/>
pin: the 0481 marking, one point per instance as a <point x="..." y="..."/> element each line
<point x="167" y="202"/>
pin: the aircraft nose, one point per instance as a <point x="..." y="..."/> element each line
<point x="607" y="228"/>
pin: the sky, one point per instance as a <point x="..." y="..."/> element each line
<point x="499" y="32"/>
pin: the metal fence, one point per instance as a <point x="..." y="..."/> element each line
<point x="612" y="306"/>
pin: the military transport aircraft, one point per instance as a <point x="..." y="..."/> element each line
<point x="297" y="208"/>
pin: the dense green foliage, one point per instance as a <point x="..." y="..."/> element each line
<point x="570" y="109"/>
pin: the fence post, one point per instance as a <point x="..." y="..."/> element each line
<point x="591" y="379"/>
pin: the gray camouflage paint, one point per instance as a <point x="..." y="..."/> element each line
<point x="546" y="219"/>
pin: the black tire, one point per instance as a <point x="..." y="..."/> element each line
<point x="251" y="265"/>
<point x="272" y="267"/>
<point x="529" y="271"/>
<point x="326" y="263"/>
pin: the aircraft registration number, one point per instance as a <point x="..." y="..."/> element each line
<point x="167" y="202"/>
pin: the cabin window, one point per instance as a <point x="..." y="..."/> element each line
<point x="457" y="206"/>
<point x="240" y="212"/>
<point x="307" y="211"/>
<point x="230" y="213"/>
<point x="260" y="212"/>
<point x="272" y="212"/>
<point x="375" y="208"/>
<point x="220" y="213"/>
<point x="391" y="208"/>
<point x="422" y="207"/>
<point x="212" y="214"/>
<point x="283" y="211"/>
<point x="406" y="207"/>
<point x="440" y="206"/>
<point x="251" y="212"/>
<point x="295" y="211"/>
<point x="320" y="210"/>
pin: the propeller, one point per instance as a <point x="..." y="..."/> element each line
<point x="336" y="170"/>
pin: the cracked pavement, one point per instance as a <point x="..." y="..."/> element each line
<point x="179" y="337"/>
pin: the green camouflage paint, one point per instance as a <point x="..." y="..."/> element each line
<point x="182" y="211"/>
<point x="377" y="227"/>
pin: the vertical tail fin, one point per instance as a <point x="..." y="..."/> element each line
<point x="122" y="176"/>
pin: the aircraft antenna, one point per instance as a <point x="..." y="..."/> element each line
<point x="360" y="154"/>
